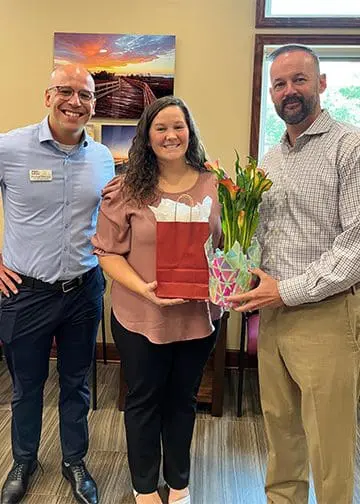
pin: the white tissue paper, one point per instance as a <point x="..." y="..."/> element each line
<point x="175" y="211"/>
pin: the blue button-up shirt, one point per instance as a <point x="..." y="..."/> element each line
<point x="48" y="223"/>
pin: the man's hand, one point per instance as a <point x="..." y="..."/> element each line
<point x="6" y="280"/>
<point x="149" y="293"/>
<point x="266" y="294"/>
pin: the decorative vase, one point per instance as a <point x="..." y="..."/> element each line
<point x="229" y="271"/>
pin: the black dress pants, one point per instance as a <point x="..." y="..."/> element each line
<point x="29" y="321"/>
<point x="163" y="382"/>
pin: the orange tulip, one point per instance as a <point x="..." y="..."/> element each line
<point x="230" y="186"/>
<point x="213" y="167"/>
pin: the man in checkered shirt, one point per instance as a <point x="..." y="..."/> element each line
<point x="309" y="342"/>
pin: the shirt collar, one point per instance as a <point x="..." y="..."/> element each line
<point x="45" y="134"/>
<point x="322" y="124"/>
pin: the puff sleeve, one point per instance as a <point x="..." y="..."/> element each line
<point x="113" y="230"/>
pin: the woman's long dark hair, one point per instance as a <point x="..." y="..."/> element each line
<point x="142" y="173"/>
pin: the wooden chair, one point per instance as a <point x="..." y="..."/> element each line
<point x="248" y="349"/>
<point x="212" y="385"/>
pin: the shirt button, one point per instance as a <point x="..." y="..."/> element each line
<point x="65" y="248"/>
<point x="67" y="203"/>
<point x="64" y="269"/>
<point x="66" y="226"/>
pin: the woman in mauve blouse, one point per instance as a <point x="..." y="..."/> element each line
<point x="163" y="343"/>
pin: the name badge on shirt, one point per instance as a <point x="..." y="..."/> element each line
<point x="40" y="175"/>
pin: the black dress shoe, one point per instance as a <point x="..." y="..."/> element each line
<point x="17" y="481"/>
<point x="83" y="486"/>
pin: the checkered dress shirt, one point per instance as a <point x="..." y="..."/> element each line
<point x="310" y="219"/>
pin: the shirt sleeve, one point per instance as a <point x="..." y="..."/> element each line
<point x="113" y="230"/>
<point x="337" y="269"/>
<point x="2" y="169"/>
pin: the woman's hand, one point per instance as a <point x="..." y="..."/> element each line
<point x="149" y="293"/>
<point x="120" y="270"/>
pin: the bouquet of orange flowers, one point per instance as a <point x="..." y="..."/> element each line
<point x="240" y="200"/>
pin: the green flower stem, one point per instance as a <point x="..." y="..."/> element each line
<point x="247" y="235"/>
<point x="235" y="226"/>
<point x="228" y="230"/>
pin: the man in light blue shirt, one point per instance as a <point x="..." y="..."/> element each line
<point x="51" y="177"/>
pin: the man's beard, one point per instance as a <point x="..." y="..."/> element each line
<point x="307" y="106"/>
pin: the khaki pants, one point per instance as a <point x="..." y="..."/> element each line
<point x="309" y="381"/>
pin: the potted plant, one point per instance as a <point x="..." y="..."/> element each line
<point x="240" y="200"/>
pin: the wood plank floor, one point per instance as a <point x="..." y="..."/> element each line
<point x="228" y="453"/>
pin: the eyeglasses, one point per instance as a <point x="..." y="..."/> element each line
<point x="66" y="92"/>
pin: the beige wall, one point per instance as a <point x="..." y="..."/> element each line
<point x="214" y="55"/>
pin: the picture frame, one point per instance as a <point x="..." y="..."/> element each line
<point x="118" y="138"/>
<point x="130" y="70"/>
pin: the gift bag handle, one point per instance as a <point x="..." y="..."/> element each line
<point x="189" y="198"/>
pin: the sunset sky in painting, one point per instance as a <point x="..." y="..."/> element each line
<point x="118" y="139"/>
<point x="119" y="54"/>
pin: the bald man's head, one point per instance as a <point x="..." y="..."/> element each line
<point x="71" y="71"/>
<point x="71" y="100"/>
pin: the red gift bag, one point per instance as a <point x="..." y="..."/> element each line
<point x="181" y="266"/>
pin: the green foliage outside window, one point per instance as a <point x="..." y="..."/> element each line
<point x="343" y="104"/>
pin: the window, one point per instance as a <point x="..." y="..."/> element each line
<point x="308" y="13"/>
<point x="339" y="59"/>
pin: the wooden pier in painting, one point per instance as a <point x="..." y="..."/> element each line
<point x="124" y="97"/>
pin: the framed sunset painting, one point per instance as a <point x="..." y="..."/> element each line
<point x="130" y="71"/>
<point x="118" y="139"/>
